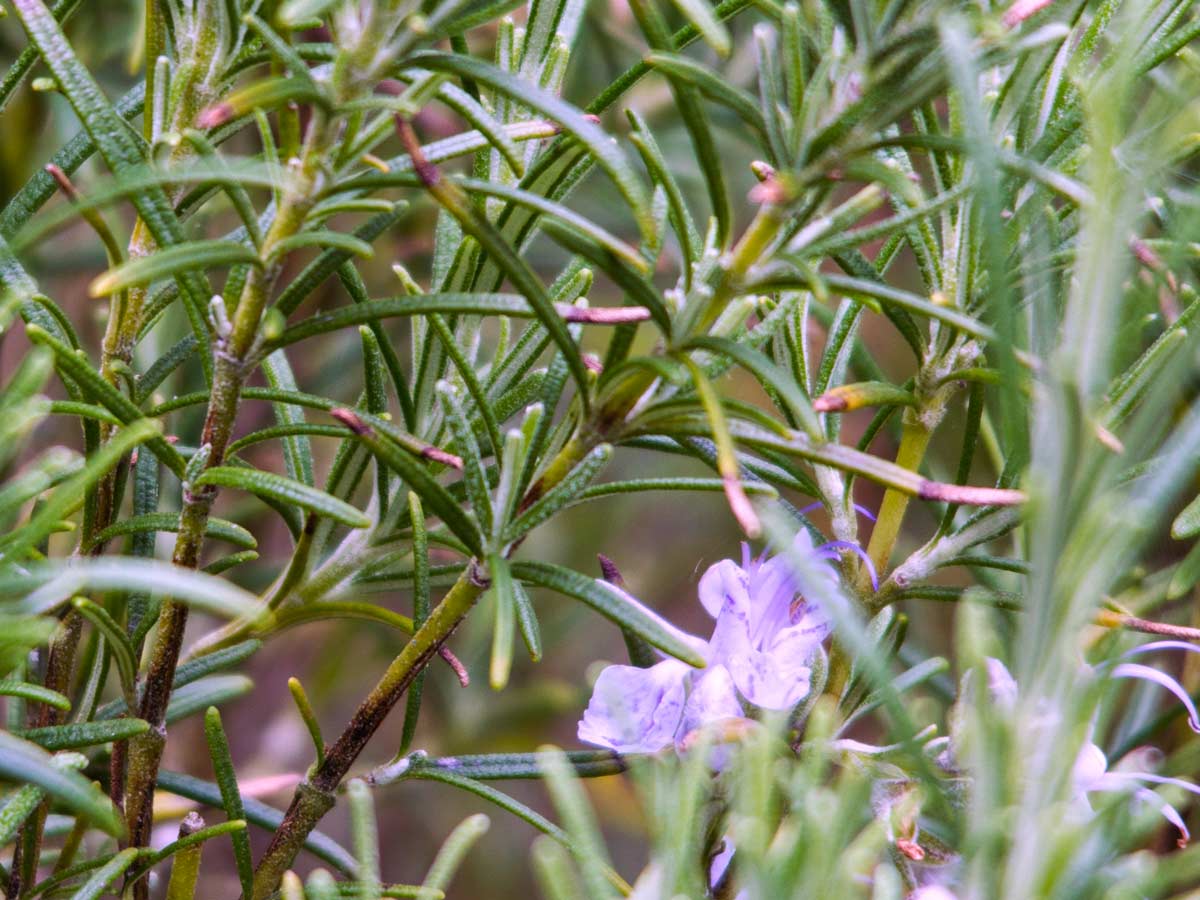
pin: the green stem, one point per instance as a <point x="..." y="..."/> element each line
<point x="315" y="796"/>
<point x="232" y="352"/>
<point x="914" y="440"/>
<point x="59" y="662"/>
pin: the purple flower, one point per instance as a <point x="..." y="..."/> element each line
<point x="760" y="655"/>
<point x="1091" y="772"/>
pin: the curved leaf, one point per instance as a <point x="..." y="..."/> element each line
<point x="170" y="262"/>
<point x="221" y="529"/>
<point x="23" y="762"/>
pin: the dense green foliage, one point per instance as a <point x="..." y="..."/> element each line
<point x="934" y="256"/>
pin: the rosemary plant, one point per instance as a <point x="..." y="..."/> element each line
<point x="908" y="286"/>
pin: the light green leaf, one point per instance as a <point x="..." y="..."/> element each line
<point x="23" y="762"/>
<point x="98" y="884"/>
<point x="1187" y="523"/>
<point x="42" y="586"/>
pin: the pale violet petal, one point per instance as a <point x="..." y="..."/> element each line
<point x="725" y="582"/>
<point x="636" y="710"/>
<point x="1158" y="779"/>
<point x="1091" y="766"/>
<point x="720" y="862"/>
<point x="932" y="892"/>
<point x="778" y="676"/>
<point x="1146" y="673"/>
<point x="1002" y="687"/>
<point x="1163" y="645"/>
<point x="1148" y="796"/>
<point x="712" y="698"/>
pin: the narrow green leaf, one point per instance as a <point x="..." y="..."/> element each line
<point x="68" y="495"/>
<point x="221" y="529"/>
<point x="586" y="132"/>
<point x="572" y="804"/>
<point x="727" y="457"/>
<point x="561" y="494"/>
<point x="450" y="856"/>
<point x="191" y="672"/>
<point x="506" y="766"/>
<point x="118" y="643"/>
<point x="35" y="692"/>
<point x="527" y="622"/>
<point x="190" y="840"/>
<point x="505" y="621"/>
<point x="691" y="112"/>
<point x="474" y="478"/>
<point x="257" y="813"/>
<point x="309" y="717"/>
<point x="439" y="500"/>
<point x="615" y="605"/>
<point x="391" y="307"/>
<point x="98" y="884"/>
<point x="420" y="553"/>
<point x="297" y="450"/>
<point x="167" y="263"/>
<point x="701" y="16"/>
<point x="365" y="832"/>
<point x="1186" y="574"/>
<point x="264" y="95"/>
<point x="564" y="216"/>
<point x="113" y="400"/>
<point x="713" y="85"/>
<point x="206" y="693"/>
<point x="84" y="734"/>
<point x="231" y="797"/>
<point x="336" y="240"/>
<point x="285" y="490"/>
<point x="17" y="808"/>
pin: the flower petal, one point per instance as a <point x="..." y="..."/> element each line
<point x="1146" y="673"/>
<point x="1148" y="796"/>
<point x="725" y="582"/>
<point x="720" y="862"/>
<point x="856" y="549"/>
<point x="1091" y="765"/>
<point x="636" y="710"/>
<point x="1002" y="687"/>
<point x="1162" y="645"/>
<point x="713" y="698"/>
<point x="778" y="676"/>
